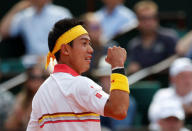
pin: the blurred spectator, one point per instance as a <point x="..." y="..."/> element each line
<point x="103" y="73"/>
<point x="116" y="18"/>
<point x="169" y="116"/>
<point x="32" y="19"/>
<point x="6" y="102"/>
<point x="98" y="43"/>
<point x="180" y="89"/>
<point x="20" y="114"/>
<point x="184" y="45"/>
<point x="153" y="44"/>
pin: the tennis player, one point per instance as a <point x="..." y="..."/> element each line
<point x="67" y="101"/>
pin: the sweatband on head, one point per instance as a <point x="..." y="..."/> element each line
<point x="65" y="38"/>
<point x="119" y="82"/>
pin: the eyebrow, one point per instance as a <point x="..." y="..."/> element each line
<point x="85" y="39"/>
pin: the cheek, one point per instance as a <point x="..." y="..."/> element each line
<point x="148" y="24"/>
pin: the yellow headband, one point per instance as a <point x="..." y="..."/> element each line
<point x="65" y="38"/>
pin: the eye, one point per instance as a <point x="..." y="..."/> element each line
<point x="84" y="43"/>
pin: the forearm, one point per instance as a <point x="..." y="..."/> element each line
<point x="118" y="102"/>
<point x="6" y="23"/>
<point x="7" y="19"/>
<point x="184" y="44"/>
<point x="117" y="105"/>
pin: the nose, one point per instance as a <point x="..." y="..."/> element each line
<point x="90" y="49"/>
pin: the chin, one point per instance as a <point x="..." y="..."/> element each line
<point x="86" y="68"/>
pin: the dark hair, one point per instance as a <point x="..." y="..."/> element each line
<point x="59" y="28"/>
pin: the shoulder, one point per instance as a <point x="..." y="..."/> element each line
<point x="86" y="84"/>
<point x="125" y="11"/>
<point x="166" y="38"/>
<point x="100" y="14"/>
<point x="169" y="32"/>
<point x="134" y="43"/>
<point x="85" y="80"/>
<point x="164" y="93"/>
<point x="165" y="90"/>
<point x="26" y="13"/>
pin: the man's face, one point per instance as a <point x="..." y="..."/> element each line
<point x="170" y="124"/>
<point x="148" y="21"/>
<point x="94" y="30"/>
<point x="183" y="82"/>
<point x="81" y="53"/>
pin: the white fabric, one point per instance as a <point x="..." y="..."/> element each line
<point x="62" y="92"/>
<point x="34" y="27"/>
<point x="165" y="96"/>
<point x="180" y="65"/>
<point x="120" y="20"/>
<point x="169" y="108"/>
<point x="103" y="69"/>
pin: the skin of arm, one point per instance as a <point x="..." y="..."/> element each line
<point x="184" y="44"/>
<point x="6" y="20"/>
<point x="118" y="102"/>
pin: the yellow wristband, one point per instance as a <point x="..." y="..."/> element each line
<point x="119" y="82"/>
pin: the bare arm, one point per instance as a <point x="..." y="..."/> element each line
<point x="118" y="102"/>
<point x="6" y="21"/>
<point x="184" y="44"/>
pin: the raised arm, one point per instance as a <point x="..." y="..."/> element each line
<point x="6" y="21"/>
<point x="118" y="102"/>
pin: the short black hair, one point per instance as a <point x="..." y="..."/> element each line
<point x="59" y="28"/>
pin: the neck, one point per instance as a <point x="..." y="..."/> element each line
<point x="68" y="64"/>
<point x="148" y="39"/>
<point x="110" y="8"/>
<point x="39" y="8"/>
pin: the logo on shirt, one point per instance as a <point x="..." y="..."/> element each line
<point x="98" y="95"/>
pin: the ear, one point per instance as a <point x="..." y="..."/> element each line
<point x="65" y="50"/>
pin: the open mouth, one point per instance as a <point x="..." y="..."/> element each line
<point x="88" y="59"/>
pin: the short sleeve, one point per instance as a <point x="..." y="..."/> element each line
<point x="91" y="96"/>
<point x="67" y="13"/>
<point x="130" y="21"/>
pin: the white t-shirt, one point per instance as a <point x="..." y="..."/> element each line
<point x="34" y="27"/>
<point x="120" y="20"/>
<point x="67" y="101"/>
<point x="161" y="96"/>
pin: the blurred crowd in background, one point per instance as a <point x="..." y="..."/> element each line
<point x="161" y="93"/>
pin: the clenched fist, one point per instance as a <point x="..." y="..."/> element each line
<point x="116" y="56"/>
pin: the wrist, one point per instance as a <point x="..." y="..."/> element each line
<point x="119" y="82"/>
<point x="119" y="70"/>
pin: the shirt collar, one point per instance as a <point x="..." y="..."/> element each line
<point x="115" y="10"/>
<point x="65" y="69"/>
<point x="43" y="10"/>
